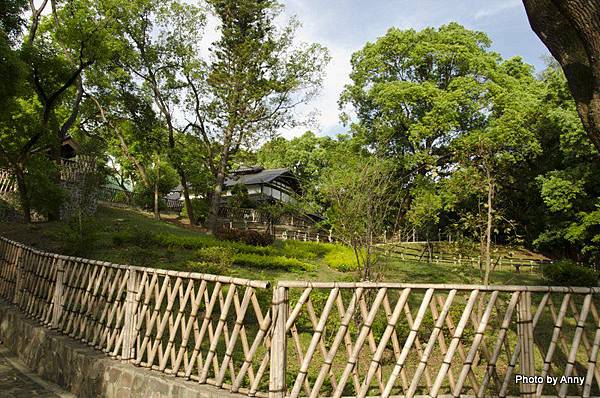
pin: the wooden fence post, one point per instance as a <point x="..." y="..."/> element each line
<point x="58" y="294"/>
<point x="18" y="275"/>
<point x="277" y="379"/>
<point x="127" y="348"/>
<point x="525" y="331"/>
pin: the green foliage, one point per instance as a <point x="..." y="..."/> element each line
<point x="167" y="179"/>
<point x="44" y="195"/>
<point x="239" y="198"/>
<point x="200" y="210"/>
<point x="568" y="273"/>
<point x="360" y="190"/>
<point x="271" y="262"/>
<point x="137" y="237"/>
<point x="307" y="156"/>
<point x="213" y="260"/>
<point x="341" y="260"/>
<point x="305" y="250"/>
<point x="78" y="235"/>
<point x="249" y="237"/>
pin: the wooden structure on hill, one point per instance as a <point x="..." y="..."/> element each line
<point x="279" y="185"/>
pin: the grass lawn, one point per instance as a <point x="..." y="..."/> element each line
<point x="132" y="237"/>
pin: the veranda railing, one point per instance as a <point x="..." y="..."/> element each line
<point x="322" y="339"/>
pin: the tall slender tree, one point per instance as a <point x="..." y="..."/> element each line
<point x="253" y="80"/>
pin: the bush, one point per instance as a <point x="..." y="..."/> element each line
<point x="306" y="250"/>
<point x="341" y="259"/>
<point x="568" y="273"/>
<point x="271" y="262"/>
<point x="139" y="238"/>
<point x="214" y="260"/>
<point x="248" y="237"/>
<point x="78" y="236"/>
<point x="200" y="207"/>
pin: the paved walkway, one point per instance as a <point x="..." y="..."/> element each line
<point x="18" y="381"/>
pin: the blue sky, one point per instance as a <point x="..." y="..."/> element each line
<point x="344" y="26"/>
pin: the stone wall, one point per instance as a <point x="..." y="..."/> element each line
<point x="84" y="371"/>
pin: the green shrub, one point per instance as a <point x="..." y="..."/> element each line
<point x="207" y="268"/>
<point x="341" y="259"/>
<point x="568" y="273"/>
<point x="218" y="260"/>
<point x="305" y="250"/>
<point x="271" y="262"/>
<point x="248" y="237"/>
<point x="200" y="207"/>
<point x="140" y="238"/>
<point x="78" y="236"/>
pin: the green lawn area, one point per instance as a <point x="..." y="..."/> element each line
<point x="132" y="237"/>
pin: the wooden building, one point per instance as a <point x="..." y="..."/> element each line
<point x="265" y="184"/>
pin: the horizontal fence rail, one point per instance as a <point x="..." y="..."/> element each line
<point x="499" y="263"/>
<point x="317" y="339"/>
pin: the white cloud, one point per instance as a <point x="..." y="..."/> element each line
<point x="497" y="8"/>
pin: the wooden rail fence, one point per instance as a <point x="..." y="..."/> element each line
<point x="317" y="339"/>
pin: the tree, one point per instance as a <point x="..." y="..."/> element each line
<point x="156" y="39"/>
<point x="361" y="195"/>
<point x="567" y="181"/>
<point x="307" y="156"/>
<point x="54" y="52"/>
<point x="571" y="31"/>
<point x="484" y="156"/>
<point x="121" y="114"/>
<point x="412" y="93"/>
<point x="247" y="90"/>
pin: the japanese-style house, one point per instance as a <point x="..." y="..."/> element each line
<point x="265" y="184"/>
<point x="275" y="186"/>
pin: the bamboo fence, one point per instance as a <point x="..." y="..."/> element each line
<point x="500" y="263"/>
<point x="208" y="328"/>
<point x="7" y="182"/>
<point x="320" y="339"/>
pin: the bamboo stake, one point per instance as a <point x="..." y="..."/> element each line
<point x="461" y="350"/>
<point x="475" y="345"/>
<point x="234" y="335"/>
<point x="575" y="345"/>
<point x="408" y="344"/>
<point x="395" y="341"/>
<point x="442" y="342"/>
<point x="491" y="369"/>
<point x="593" y="358"/>
<point x="317" y="333"/>
<point x="277" y="378"/>
<point x="389" y="330"/>
<point x="453" y="344"/>
<point x="439" y="323"/>
<point x="215" y="339"/>
<point x="555" y="335"/>
<point x="341" y="333"/>
<point x="516" y="352"/>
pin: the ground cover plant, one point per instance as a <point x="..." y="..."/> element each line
<point x="126" y="236"/>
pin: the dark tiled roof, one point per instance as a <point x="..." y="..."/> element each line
<point x="260" y="177"/>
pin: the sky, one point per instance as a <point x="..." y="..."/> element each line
<point x="344" y="26"/>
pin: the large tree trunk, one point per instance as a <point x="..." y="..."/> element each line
<point x="215" y="202"/>
<point x="571" y="31"/>
<point x="23" y="195"/>
<point x="186" y="197"/>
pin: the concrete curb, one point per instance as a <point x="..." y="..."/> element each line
<point x="84" y="371"/>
